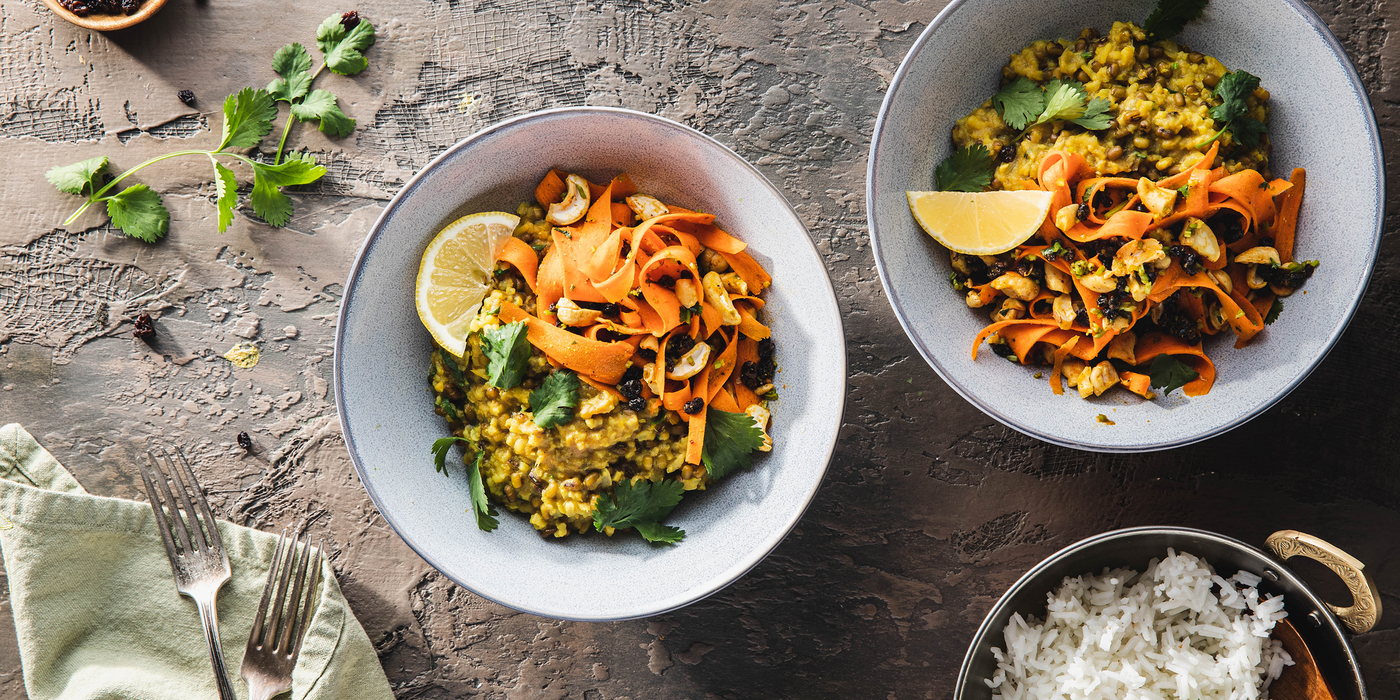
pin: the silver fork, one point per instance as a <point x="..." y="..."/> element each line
<point x="198" y="558"/>
<point x="273" y="648"/>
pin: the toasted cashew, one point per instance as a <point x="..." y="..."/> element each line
<point x="1064" y="311"/>
<point x="1009" y="310"/>
<point x="1259" y="255"/>
<point x="1066" y="217"/>
<point x="1057" y="280"/>
<point x="1016" y="286"/>
<point x="734" y="284"/>
<point x="974" y="299"/>
<point x="646" y="207"/>
<point x="1158" y="200"/>
<point x="712" y="260"/>
<point x="1199" y="236"/>
<point x="1123" y="347"/>
<point x="1222" y="280"/>
<point x="760" y="417"/>
<point x="575" y="203"/>
<point x="690" y="363"/>
<point x="687" y="292"/>
<point x="718" y="298"/>
<point x="656" y="381"/>
<point x="1101" y="282"/>
<point x="571" y="314"/>
<point x="1072" y="368"/>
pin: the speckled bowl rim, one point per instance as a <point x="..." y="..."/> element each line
<point x="720" y="581"/>
<point x="1309" y="15"/>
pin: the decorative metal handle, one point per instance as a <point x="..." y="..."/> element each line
<point x="1365" y="609"/>
<point x="209" y="617"/>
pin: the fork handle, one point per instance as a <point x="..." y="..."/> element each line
<point x="209" y="617"/>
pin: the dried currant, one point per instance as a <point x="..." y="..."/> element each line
<point x="145" y="328"/>
<point x="245" y="442"/>
<point x="693" y="406"/>
<point x="186" y="96"/>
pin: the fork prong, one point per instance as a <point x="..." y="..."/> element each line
<point x="154" y="494"/>
<point x="210" y="524"/>
<point x="285" y="643"/>
<point x="184" y="489"/>
<point x="315" y="571"/>
<point x="173" y="505"/>
<point x="274" y="626"/>
<point x="260" y="635"/>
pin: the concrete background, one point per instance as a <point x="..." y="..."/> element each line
<point x="930" y="509"/>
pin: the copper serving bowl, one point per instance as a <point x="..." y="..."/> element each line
<point x="107" y="23"/>
<point x="1319" y="624"/>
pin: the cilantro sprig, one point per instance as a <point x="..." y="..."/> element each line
<point x="507" y="351"/>
<point x="553" y="403"/>
<point x="1274" y="310"/>
<point x="1171" y="16"/>
<point x="481" y="507"/>
<point x="1169" y="374"/>
<point x="139" y="212"/>
<point x="969" y="169"/>
<point x="730" y="439"/>
<point x="641" y="506"/>
<point x="1232" y="114"/>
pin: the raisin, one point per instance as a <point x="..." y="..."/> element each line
<point x="633" y="373"/>
<point x="245" y="442"/>
<point x="666" y="281"/>
<point x="766" y="369"/>
<point x="765" y="348"/>
<point x="1007" y="153"/>
<point x="611" y="310"/>
<point x="186" y="96"/>
<point x="630" y="389"/>
<point x="638" y="404"/>
<point x="350" y="19"/>
<point x="1002" y="349"/>
<point x="693" y="406"/>
<point x="646" y="354"/>
<point x="748" y="374"/>
<point x="145" y="328"/>
<point x="1082" y="212"/>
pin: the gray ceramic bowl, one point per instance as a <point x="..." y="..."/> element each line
<point x="381" y="371"/>
<point x="1320" y="120"/>
<point x="1134" y="547"/>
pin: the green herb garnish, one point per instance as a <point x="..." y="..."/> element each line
<point x="440" y="448"/>
<point x="248" y="115"/>
<point x="1233" y="112"/>
<point x="1170" y="16"/>
<point x="730" y="439"/>
<point x="969" y="169"/>
<point x="1274" y="310"/>
<point x="553" y="403"/>
<point x="1170" y="374"/>
<point x="507" y="351"/>
<point x="485" y="512"/>
<point x="1019" y="102"/>
<point x="641" y="506"/>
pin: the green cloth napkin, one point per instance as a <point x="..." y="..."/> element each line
<point x="97" y="612"/>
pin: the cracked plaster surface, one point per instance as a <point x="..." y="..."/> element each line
<point x="930" y="509"/>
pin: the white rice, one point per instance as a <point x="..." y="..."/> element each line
<point x="1176" y="632"/>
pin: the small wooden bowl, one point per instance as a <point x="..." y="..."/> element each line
<point x="107" y="23"/>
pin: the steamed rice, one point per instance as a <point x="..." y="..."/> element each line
<point x="1178" y="631"/>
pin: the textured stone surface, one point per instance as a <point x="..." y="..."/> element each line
<point x="930" y="509"/>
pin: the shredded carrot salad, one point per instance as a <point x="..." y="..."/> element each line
<point x="614" y="292"/>
<point x="1126" y="271"/>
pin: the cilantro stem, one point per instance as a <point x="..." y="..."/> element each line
<point x="97" y="196"/>
<point x="287" y="128"/>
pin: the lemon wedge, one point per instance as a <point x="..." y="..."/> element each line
<point x="980" y="223"/>
<point x="456" y="273"/>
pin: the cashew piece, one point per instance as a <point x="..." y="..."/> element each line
<point x="571" y="314"/>
<point x="575" y="203"/>
<point x="718" y="298"/>
<point x="646" y="207"/>
<point x="691" y="363"/>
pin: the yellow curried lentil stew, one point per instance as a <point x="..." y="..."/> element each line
<point x="1159" y="92"/>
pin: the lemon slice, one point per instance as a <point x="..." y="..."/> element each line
<point x="980" y="223"/>
<point x="456" y="273"/>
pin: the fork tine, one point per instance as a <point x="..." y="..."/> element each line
<point x="285" y="643"/>
<point x="184" y="489"/>
<point x="154" y="494"/>
<point x="210" y="524"/>
<point x="259" y="633"/>
<point x="171" y="503"/>
<point x="315" y="572"/>
<point x="274" y="626"/>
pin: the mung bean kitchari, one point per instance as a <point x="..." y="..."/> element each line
<point x="617" y="358"/>
<point x="1146" y="218"/>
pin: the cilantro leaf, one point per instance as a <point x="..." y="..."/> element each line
<point x="507" y="352"/>
<point x="1064" y="101"/>
<point x="1019" y="102"/>
<point x="1232" y="114"/>
<point x="293" y="63"/>
<point x="270" y="204"/>
<point x="343" y="48"/>
<point x="1274" y="311"/>
<point x="641" y="505"/>
<point x="1247" y="130"/>
<point x="968" y="169"/>
<point x="138" y="212"/>
<point x="1170" y="373"/>
<point x="554" y="401"/>
<point x="1170" y="16"/>
<point x="440" y="448"/>
<point x="79" y="178"/>
<point x="320" y="104"/>
<point x="248" y="116"/>
<point x="730" y="439"/>
<point x="227" y="189"/>
<point x="485" y="512"/>
<point x="1095" y="115"/>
